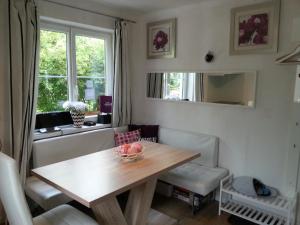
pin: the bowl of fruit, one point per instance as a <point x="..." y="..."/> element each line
<point x="130" y="152"/>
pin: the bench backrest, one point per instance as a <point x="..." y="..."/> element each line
<point x="52" y="150"/>
<point x="208" y="145"/>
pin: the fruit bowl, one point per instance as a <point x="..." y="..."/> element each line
<point x="130" y="152"/>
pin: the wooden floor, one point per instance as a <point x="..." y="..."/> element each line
<point x="183" y="214"/>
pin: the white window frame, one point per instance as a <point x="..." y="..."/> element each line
<point x="71" y="31"/>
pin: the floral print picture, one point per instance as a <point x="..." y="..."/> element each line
<point x="254" y="28"/>
<point x="161" y="39"/>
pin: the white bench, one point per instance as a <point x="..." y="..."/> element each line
<point x="202" y="175"/>
<point x="61" y="148"/>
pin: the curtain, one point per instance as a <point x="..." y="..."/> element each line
<point x="199" y="88"/>
<point x="155" y="85"/>
<point x="121" y="79"/>
<point x="19" y="32"/>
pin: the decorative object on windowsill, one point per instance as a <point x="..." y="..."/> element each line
<point x="77" y="111"/>
<point x="161" y="39"/>
<point x="130" y="152"/>
<point x="254" y="28"/>
<point x="209" y="57"/>
<point x="105" y="108"/>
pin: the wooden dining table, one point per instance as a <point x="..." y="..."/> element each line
<point x="96" y="179"/>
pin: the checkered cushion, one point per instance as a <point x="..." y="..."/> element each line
<point x="128" y="137"/>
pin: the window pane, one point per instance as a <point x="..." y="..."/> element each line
<point x="90" y="61"/>
<point x="53" y="81"/>
<point x="90" y="95"/>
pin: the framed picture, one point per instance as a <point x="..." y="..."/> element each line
<point x="254" y="29"/>
<point x="161" y="39"/>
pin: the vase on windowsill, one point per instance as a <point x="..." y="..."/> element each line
<point x="77" y="111"/>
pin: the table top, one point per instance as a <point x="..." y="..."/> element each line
<point x="91" y="178"/>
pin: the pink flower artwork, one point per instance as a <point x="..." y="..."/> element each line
<point x="160" y="40"/>
<point x="254" y="30"/>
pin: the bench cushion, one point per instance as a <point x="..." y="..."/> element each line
<point x="43" y="194"/>
<point x="199" y="179"/>
<point x="207" y="145"/>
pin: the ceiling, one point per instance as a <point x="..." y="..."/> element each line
<point x="147" y="5"/>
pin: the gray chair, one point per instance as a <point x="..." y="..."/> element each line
<point x="16" y="208"/>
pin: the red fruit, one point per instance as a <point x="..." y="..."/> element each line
<point x="137" y="147"/>
<point x="125" y="148"/>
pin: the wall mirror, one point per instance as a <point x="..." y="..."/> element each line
<point x="232" y="88"/>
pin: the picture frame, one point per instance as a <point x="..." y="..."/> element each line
<point x="254" y="29"/>
<point x="161" y="39"/>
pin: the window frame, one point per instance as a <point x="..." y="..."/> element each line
<point x="71" y="31"/>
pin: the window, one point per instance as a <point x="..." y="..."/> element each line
<point x="75" y="65"/>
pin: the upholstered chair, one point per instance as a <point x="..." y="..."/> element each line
<point x="16" y="208"/>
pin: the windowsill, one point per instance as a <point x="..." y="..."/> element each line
<point x="67" y="130"/>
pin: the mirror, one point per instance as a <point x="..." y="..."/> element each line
<point x="233" y="88"/>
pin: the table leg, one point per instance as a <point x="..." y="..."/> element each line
<point x="109" y="213"/>
<point x="139" y="203"/>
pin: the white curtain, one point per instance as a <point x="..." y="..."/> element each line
<point x="19" y="33"/>
<point x="121" y="81"/>
<point x="199" y="88"/>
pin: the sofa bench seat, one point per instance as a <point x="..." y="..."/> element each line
<point x="44" y="194"/>
<point x="196" y="178"/>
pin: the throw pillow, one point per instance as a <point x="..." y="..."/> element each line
<point x="127" y="137"/>
<point x="148" y="132"/>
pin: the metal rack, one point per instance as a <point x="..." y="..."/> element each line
<point x="277" y="210"/>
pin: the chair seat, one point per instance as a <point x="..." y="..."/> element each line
<point x="64" y="215"/>
<point x="44" y="194"/>
<point x="196" y="178"/>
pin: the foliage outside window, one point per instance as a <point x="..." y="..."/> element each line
<point x="53" y="79"/>
<point x="86" y="79"/>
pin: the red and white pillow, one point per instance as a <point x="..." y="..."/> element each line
<point x="127" y="137"/>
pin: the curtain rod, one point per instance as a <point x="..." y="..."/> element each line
<point x="90" y="11"/>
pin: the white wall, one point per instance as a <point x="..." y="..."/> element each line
<point x="253" y="141"/>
